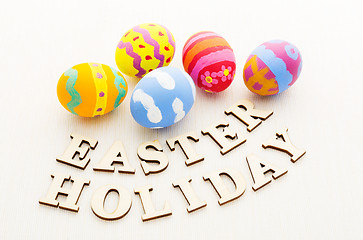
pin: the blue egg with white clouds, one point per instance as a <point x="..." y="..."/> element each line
<point x="162" y="97"/>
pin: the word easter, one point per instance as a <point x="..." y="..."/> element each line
<point x="153" y="160"/>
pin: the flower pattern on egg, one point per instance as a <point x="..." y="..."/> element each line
<point x="208" y="79"/>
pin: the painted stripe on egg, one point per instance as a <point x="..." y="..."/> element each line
<point x="201" y="54"/>
<point x="170" y="40"/>
<point x="149" y="40"/>
<point x="195" y="38"/>
<point x="100" y="80"/>
<point x="137" y="59"/>
<point x="276" y="65"/>
<point x="198" y="39"/>
<point x="202" y="44"/>
<point x="76" y="97"/>
<point x="121" y="92"/>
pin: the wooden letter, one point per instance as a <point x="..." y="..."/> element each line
<point x="184" y="143"/>
<point x="259" y="167"/>
<point x="193" y="200"/>
<point x="221" y="189"/>
<point x="245" y="112"/>
<point x="72" y="194"/>
<point x="75" y="148"/>
<point x="154" y="155"/>
<point x="147" y="204"/>
<point x="99" y="197"/>
<point x="116" y="154"/>
<point x="284" y="145"/>
<point x="223" y="139"/>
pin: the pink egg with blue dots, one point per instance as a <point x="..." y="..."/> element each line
<point x="272" y="67"/>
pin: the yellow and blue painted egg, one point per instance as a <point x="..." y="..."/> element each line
<point x="272" y="67"/>
<point x="144" y="48"/>
<point x="163" y="97"/>
<point x="91" y="89"/>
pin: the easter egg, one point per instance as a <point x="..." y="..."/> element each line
<point x="210" y="61"/>
<point x="272" y="68"/>
<point x="163" y="97"/>
<point x="144" y="48"/>
<point x="91" y="89"/>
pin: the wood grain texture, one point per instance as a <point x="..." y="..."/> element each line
<point x="319" y="198"/>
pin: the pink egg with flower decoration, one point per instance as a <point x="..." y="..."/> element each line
<point x="210" y="61"/>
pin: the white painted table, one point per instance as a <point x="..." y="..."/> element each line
<point x="320" y="197"/>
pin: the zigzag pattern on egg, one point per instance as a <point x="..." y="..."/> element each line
<point x="76" y="97"/>
<point x="144" y="48"/>
<point x="136" y="63"/>
<point x="121" y="91"/>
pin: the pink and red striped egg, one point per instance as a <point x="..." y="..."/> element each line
<point x="210" y="61"/>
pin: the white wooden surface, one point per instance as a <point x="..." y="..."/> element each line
<point x="321" y="196"/>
